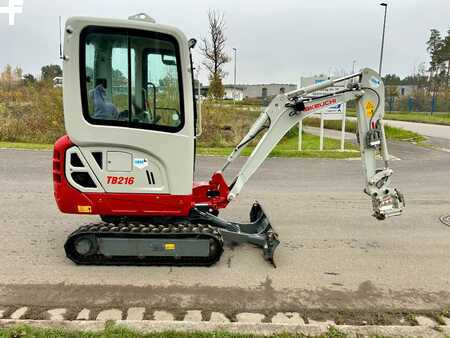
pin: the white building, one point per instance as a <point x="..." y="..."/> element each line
<point x="58" y="82"/>
<point x="404" y="90"/>
<point x="233" y="93"/>
<point x="253" y="91"/>
<point x="267" y="90"/>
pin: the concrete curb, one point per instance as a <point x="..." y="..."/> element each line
<point x="249" y="328"/>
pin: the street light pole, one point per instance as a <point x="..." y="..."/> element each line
<point x="199" y="104"/>
<point x="385" y="5"/>
<point x="234" y="89"/>
<point x="353" y="70"/>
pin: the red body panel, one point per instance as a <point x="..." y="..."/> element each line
<point x="69" y="200"/>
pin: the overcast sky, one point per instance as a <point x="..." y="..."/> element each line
<point x="277" y="41"/>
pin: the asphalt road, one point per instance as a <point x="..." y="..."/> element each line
<point x="333" y="253"/>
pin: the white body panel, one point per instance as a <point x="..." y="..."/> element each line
<point x="172" y="154"/>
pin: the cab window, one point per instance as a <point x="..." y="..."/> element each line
<point x="130" y="78"/>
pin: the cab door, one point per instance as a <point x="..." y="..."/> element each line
<point x="128" y="104"/>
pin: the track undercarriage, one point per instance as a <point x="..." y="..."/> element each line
<point x="194" y="241"/>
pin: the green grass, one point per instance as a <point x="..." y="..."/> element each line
<point x="400" y="134"/>
<point x="392" y="133"/>
<point x="288" y="148"/>
<point x="443" y="119"/>
<point x="29" y="146"/>
<point x="116" y="331"/>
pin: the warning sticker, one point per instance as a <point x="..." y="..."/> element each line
<point x="84" y="209"/>
<point x="370" y="109"/>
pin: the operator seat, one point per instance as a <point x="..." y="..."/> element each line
<point x="103" y="108"/>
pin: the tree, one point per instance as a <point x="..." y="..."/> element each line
<point x="446" y="52"/>
<point x="391" y="79"/>
<point x="49" y="72"/>
<point x="439" y="77"/>
<point x="213" y="49"/>
<point x="18" y="72"/>
<point x="6" y="77"/>
<point x="435" y="47"/>
<point x="10" y="77"/>
<point x="216" y="88"/>
<point x="29" y="79"/>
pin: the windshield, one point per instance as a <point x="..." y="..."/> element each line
<point x="132" y="80"/>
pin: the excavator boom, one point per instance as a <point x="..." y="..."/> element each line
<point x="286" y="110"/>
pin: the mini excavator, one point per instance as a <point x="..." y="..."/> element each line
<point x="128" y="156"/>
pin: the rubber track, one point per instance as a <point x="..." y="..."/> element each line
<point x="145" y="230"/>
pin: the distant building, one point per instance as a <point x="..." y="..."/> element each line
<point x="58" y="81"/>
<point x="262" y="91"/>
<point x="253" y="91"/>
<point x="404" y="90"/>
<point x="233" y="93"/>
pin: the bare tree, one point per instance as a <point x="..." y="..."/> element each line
<point x="213" y="49"/>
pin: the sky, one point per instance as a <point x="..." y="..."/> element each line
<point x="276" y="41"/>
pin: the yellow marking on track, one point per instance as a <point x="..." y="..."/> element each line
<point x="169" y="246"/>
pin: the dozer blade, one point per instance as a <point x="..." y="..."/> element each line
<point x="258" y="232"/>
<point x="259" y="218"/>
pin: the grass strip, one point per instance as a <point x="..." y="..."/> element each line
<point x="28" y="146"/>
<point x="287" y="148"/>
<point x="392" y="133"/>
<point x="117" y="331"/>
<point x="436" y="118"/>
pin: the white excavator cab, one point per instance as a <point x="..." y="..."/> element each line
<point x="128" y="103"/>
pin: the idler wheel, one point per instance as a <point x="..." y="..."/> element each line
<point x="85" y="246"/>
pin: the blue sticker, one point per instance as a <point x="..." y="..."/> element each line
<point x="375" y="82"/>
<point x="140" y="163"/>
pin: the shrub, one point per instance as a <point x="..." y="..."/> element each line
<point x="31" y="113"/>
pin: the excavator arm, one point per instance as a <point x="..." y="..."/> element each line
<point x="286" y="110"/>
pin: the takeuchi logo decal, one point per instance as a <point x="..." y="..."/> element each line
<point x="320" y="105"/>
